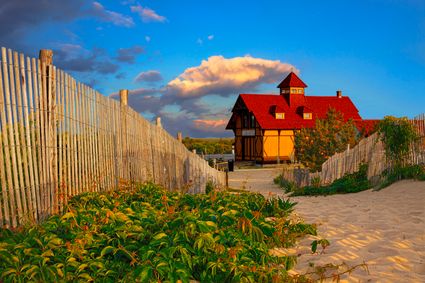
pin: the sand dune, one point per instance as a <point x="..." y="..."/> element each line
<point x="384" y="229"/>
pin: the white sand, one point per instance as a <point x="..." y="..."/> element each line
<point x="384" y="229"/>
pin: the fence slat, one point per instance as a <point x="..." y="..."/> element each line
<point x="5" y="172"/>
<point x="16" y="208"/>
<point x="60" y="138"/>
<point x="28" y="144"/>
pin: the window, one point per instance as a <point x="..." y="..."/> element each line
<point x="307" y="116"/>
<point x="300" y="91"/>
<point x="293" y="90"/>
<point x="252" y="121"/>
<point x="280" y="115"/>
<point x="245" y="121"/>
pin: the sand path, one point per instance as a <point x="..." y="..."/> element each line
<point x="384" y="229"/>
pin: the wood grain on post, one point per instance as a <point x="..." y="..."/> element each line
<point x="124" y="134"/>
<point x="13" y="187"/>
<point x="5" y="173"/>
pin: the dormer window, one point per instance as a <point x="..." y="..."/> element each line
<point x="307" y="116"/>
<point x="280" y="115"/>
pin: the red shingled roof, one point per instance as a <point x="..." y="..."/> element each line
<point x="292" y="80"/>
<point x="366" y="127"/>
<point x="260" y="104"/>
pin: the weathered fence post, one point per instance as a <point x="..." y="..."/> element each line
<point x="49" y="148"/>
<point x="158" y="122"/>
<point x="179" y="136"/>
<point x="125" y="169"/>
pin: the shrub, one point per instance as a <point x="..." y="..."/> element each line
<point x="350" y="183"/>
<point x="209" y="187"/>
<point x="313" y="146"/>
<point x="397" y="135"/>
<point x="316" y="182"/>
<point x="393" y="175"/>
<point x="153" y="235"/>
<point x="286" y="185"/>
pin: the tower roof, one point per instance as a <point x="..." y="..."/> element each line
<point x="292" y="80"/>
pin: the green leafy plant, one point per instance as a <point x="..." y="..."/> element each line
<point x="316" y="182"/>
<point x="350" y="183"/>
<point x="416" y="172"/>
<point x="397" y="135"/>
<point x="209" y="187"/>
<point x="322" y="242"/>
<point x="153" y="235"/>
<point x="286" y="185"/>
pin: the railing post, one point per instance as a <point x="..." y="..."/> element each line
<point x="179" y="136"/>
<point x="48" y="105"/>
<point x="125" y="168"/>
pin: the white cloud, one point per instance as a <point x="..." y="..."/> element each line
<point x="111" y="16"/>
<point x="222" y="76"/>
<point x="147" y="38"/>
<point x="210" y="37"/>
<point x="147" y="14"/>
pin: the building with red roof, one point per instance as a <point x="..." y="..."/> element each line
<point x="264" y="124"/>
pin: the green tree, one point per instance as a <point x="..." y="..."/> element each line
<point x="313" y="146"/>
<point x="397" y="134"/>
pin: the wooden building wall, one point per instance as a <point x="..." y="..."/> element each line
<point x="278" y="143"/>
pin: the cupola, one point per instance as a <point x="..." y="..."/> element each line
<point x="292" y="88"/>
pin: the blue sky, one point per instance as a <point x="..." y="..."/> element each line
<point x="187" y="61"/>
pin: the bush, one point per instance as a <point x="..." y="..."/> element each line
<point x="286" y="185"/>
<point x="313" y="146"/>
<point x="153" y="235"/>
<point x="397" y="135"/>
<point x="393" y="175"/>
<point x="350" y="183"/>
<point x="209" y="187"/>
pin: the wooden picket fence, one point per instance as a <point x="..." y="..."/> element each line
<point x="60" y="138"/>
<point x="369" y="150"/>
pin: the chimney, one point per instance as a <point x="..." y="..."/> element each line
<point x="339" y="93"/>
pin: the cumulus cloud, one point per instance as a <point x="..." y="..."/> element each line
<point x="222" y="76"/>
<point x="210" y="37"/>
<point x="182" y="105"/>
<point x="148" y="76"/>
<point x="147" y="15"/>
<point x="128" y="55"/>
<point x="110" y="16"/>
<point x="73" y="57"/>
